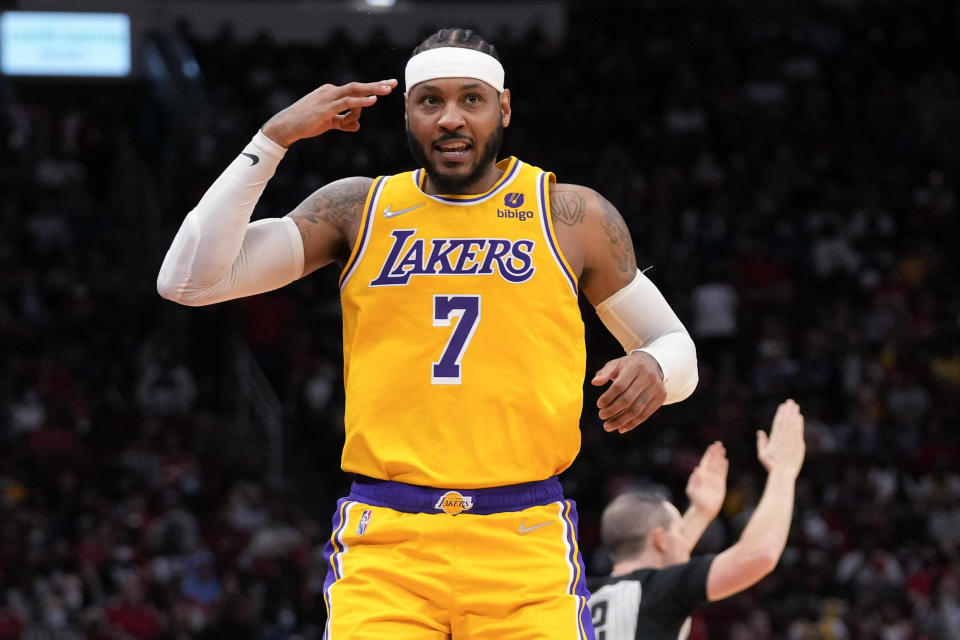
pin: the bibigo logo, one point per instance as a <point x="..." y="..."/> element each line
<point x="513" y="201"/>
<point x="453" y="502"/>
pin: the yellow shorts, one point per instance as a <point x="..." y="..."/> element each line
<point x="407" y="562"/>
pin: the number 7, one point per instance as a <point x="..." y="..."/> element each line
<point x="446" y="370"/>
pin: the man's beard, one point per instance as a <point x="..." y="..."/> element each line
<point x="452" y="184"/>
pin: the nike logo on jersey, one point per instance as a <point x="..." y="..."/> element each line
<point x="412" y="256"/>
<point x="254" y="159"/>
<point x="389" y="213"/>
<point x="524" y="529"/>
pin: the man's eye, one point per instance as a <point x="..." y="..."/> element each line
<point x="474" y="98"/>
<point x="430" y="100"/>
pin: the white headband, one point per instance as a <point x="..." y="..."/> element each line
<point x="454" y="62"/>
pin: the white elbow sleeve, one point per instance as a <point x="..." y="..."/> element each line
<point x="640" y="318"/>
<point x="217" y="254"/>
<point x="270" y="257"/>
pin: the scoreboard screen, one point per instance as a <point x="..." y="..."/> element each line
<point x="42" y="43"/>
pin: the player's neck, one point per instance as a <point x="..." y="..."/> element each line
<point x="643" y="561"/>
<point x="481" y="185"/>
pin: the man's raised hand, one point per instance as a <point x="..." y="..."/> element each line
<point x="326" y="107"/>
<point x="707" y="486"/>
<point x="784" y="448"/>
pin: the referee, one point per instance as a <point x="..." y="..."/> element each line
<point x="655" y="584"/>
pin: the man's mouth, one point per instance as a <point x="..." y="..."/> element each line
<point x="453" y="149"/>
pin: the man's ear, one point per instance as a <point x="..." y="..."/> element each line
<point x="406" y="102"/>
<point x="505" y="107"/>
<point x="658" y="539"/>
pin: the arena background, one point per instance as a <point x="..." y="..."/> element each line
<point x="787" y="169"/>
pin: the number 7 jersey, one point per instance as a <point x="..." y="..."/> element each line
<point x="462" y="337"/>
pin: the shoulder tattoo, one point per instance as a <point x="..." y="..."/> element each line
<point x="619" y="236"/>
<point x="567" y="206"/>
<point x="339" y="203"/>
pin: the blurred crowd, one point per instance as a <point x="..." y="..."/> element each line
<point x="788" y="172"/>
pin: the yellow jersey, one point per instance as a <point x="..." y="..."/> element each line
<point x="462" y="337"/>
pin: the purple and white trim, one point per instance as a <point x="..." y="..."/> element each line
<point x="463" y="202"/>
<point x="364" y="232"/>
<point x="333" y="554"/>
<point x="577" y="587"/>
<point x="551" y="240"/>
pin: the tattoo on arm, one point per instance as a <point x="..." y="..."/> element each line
<point x="338" y="203"/>
<point x="619" y="236"/>
<point x="567" y="207"/>
<point x="329" y="220"/>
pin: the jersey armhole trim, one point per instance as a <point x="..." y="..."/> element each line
<point x="363" y="236"/>
<point x="546" y="223"/>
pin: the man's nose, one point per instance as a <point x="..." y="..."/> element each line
<point x="451" y="118"/>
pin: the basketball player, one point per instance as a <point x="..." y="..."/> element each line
<point x="463" y="349"/>
<point x="655" y="584"/>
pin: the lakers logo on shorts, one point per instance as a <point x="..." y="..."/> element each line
<point x="453" y="502"/>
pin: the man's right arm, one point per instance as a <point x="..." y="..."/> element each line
<point x="758" y="550"/>
<point x="219" y="255"/>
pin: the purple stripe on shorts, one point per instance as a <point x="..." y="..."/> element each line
<point x="332" y="552"/>
<point x="411" y="498"/>
<point x="579" y="586"/>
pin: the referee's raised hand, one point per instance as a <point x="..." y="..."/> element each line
<point x="326" y="107"/>
<point x="783" y="450"/>
<point x="707" y="485"/>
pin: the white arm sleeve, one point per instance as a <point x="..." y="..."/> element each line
<point x="641" y="319"/>
<point x="218" y="254"/>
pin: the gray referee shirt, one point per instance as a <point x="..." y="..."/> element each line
<point x="649" y="604"/>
